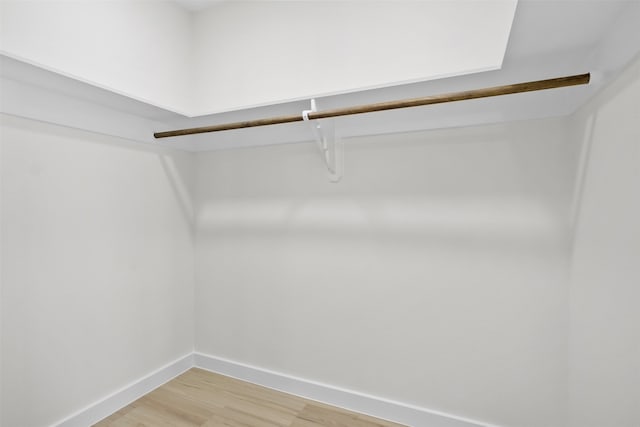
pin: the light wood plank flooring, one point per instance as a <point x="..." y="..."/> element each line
<point x="204" y="399"/>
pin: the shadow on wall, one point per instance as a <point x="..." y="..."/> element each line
<point x="604" y="356"/>
<point x="586" y="127"/>
<point x="506" y="183"/>
<point x="465" y="221"/>
<point x="181" y="185"/>
<point x="586" y="142"/>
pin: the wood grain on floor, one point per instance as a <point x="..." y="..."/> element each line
<point x="201" y="398"/>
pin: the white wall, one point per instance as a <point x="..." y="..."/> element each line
<point x="434" y="274"/>
<point x="604" y="356"/>
<point x="1" y="287"/>
<point x="251" y="53"/>
<point x="97" y="279"/>
<point x="141" y="49"/>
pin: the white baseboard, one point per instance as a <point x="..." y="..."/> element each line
<point x="127" y="394"/>
<point x="374" y="406"/>
<point x="348" y="399"/>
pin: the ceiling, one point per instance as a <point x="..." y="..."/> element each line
<point x="543" y="27"/>
<point x="242" y="54"/>
<point x="548" y="39"/>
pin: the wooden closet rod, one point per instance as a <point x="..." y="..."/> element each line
<point x="580" y="79"/>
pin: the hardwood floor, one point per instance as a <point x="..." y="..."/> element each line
<point x="204" y="399"/>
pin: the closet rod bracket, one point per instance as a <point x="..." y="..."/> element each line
<point x="330" y="145"/>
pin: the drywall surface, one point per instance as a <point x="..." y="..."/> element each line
<point x="434" y="274"/>
<point x="97" y="257"/>
<point x="1" y="281"/>
<point x="141" y="49"/>
<point x="604" y="356"/>
<point x="249" y="53"/>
